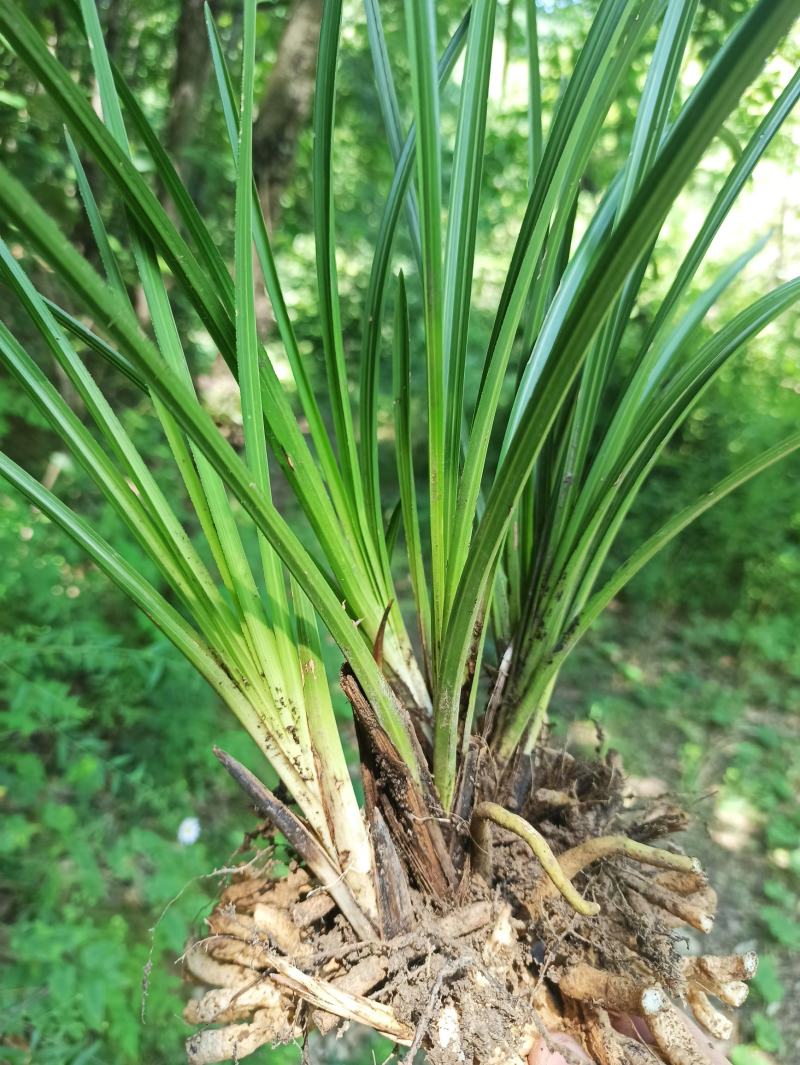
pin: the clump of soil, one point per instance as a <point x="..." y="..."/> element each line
<point x="504" y="958"/>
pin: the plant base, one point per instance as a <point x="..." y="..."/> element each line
<point x="506" y="960"/>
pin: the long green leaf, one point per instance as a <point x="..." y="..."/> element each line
<point x="286" y="440"/>
<point x="421" y="32"/>
<point x="311" y="409"/>
<point x="206" y="493"/>
<point x="379" y="273"/>
<point x="67" y="96"/>
<point x="194" y="421"/>
<point x="117" y="320"/>
<point x="401" y="380"/>
<point x="390" y="111"/>
<point x="651" y="122"/>
<point x="615" y="447"/>
<point x="324" y="227"/>
<point x="248" y="360"/>
<point x="109" y="260"/>
<point x="534" y="91"/>
<point x="584" y="105"/>
<point x="726" y="198"/>
<point x="573" y="580"/>
<point x="169" y="542"/>
<point x="734" y="67"/>
<point x="163" y="615"/>
<point x="637" y="560"/>
<point x="462" y="222"/>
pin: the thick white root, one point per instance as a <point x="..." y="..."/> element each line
<point x="237" y="1041"/>
<point x="207" y="970"/>
<point x="672" y="1037"/>
<point x="225" y="1004"/>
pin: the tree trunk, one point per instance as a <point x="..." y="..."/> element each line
<point x="286" y="105"/>
<point x="192" y="64"/>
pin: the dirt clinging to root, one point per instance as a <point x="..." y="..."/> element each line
<point x="479" y="977"/>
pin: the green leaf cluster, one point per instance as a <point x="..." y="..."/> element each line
<point x="529" y="478"/>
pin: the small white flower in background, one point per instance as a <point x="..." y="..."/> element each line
<point x="188" y="831"/>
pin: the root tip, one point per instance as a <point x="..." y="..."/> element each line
<point x="653" y="1001"/>
<point x="734" y="993"/>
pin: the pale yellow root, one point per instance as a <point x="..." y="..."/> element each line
<point x="576" y="859"/>
<point x="715" y="1023"/>
<point x="555" y="800"/>
<point x="221" y="1003"/>
<point x="734" y="993"/>
<point x="611" y="991"/>
<point x="721" y="969"/>
<point x="280" y="928"/>
<point x="559" y="880"/>
<point x="312" y="909"/>
<point x="247" y="891"/>
<point x="602" y="1041"/>
<point x="466" y="919"/>
<point x="268" y="938"/>
<point x="236" y="1041"/>
<point x="215" y="973"/>
<point x="227" y="948"/>
<point x="224" y="1004"/>
<point x="723" y="977"/>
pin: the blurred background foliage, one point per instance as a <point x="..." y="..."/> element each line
<point x="105" y="733"/>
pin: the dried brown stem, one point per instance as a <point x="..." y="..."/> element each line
<point x="359" y="980"/>
<point x="302" y="841"/>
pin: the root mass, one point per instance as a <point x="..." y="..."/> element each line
<point x="518" y="950"/>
